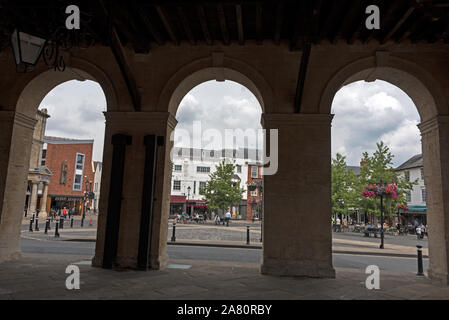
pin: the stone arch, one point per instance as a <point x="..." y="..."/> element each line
<point x="34" y="90"/>
<point x="416" y="82"/>
<point x="205" y="69"/>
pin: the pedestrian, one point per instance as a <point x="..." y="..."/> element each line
<point x="227" y="217"/>
<point x="338" y="224"/>
<point x="217" y="219"/>
<point x="418" y="232"/>
<point x="64" y="212"/>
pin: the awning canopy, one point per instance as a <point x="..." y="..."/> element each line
<point x="177" y="199"/>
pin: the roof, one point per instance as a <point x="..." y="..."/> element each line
<point x="145" y="24"/>
<point x="414" y="162"/>
<point x="207" y="154"/>
<point x="354" y="169"/>
<point x="60" y="140"/>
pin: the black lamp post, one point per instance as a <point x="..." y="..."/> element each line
<point x="188" y="196"/>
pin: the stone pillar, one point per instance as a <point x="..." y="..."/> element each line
<point x="43" y="211"/>
<point x="297" y="239"/>
<point x="137" y="125"/>
<point x="33" y="199"/>
<point x="15" y="145"/>
<point x="435" y="151"/>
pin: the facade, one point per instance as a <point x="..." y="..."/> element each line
<point x="38" y="175"/>
<point x="254" y="192"/>
<point x="98" y="169"/>
<point x="190" y="172"/>
<point x="413" y="169"/>
<point x="70" y="160"/>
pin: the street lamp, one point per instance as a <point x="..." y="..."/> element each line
<point x="27" y="49"/>
<point x="188" y="196"/>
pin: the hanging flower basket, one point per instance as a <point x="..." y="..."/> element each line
<point x="386" y="190"/>
<point x="252" y="186"/>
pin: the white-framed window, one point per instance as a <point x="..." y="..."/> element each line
<point x="408" y="197"/>
<point x="422" y="173"/>
<point x="407" y="175"/>
<point x="253" y="193"/>
<point x="202" y="184"/>
<point x="178" y="167"/>
<point x="203" y="169"/>
<point x="44" y="155"/>
<point x="423" y="195"/>
<point x="239" y="168"/>
<point x="79" y="170"/>
<point x="254" y="173"/>
<point x="177" y="185"/>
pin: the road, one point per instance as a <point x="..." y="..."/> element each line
<point x="224" y="254"/>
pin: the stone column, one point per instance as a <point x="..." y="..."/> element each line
<point x="435" y="151"/>
<point x="297" y="239"/>
<point x="15" y="145"/>
<point x="43" y="211"/>
<point x="33" y="199"/>
<point x="137" y="125"/>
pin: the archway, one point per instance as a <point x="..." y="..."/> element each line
<point x="22" y="124"/>
<point x="191" y="91"/>
<point x="427" y="96"/>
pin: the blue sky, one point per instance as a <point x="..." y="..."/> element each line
<point x="365" y="113"/>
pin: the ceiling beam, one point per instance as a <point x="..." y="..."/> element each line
<point x="222" y="20"/>
<point x="278" y="26"/>
<point x="167" y="25"/>
<point x="398" y="24"/>
<point x="185" y="25"/>
<point x="238" y="13"/>
<point x="259" y="24"/>
<point x="302" y="76"/>
<point x="149" y="25"/>
<point x="203" y="22"/>
<point x="120" y="57"/>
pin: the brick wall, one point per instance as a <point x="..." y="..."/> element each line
<point x="56" y="154"/>
<point x="249" y="197"/>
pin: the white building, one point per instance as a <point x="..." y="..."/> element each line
<point x="191" y="170"/>
<point x="416" y="199"/>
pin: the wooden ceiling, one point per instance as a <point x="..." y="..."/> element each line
<point x="147" y="24"/>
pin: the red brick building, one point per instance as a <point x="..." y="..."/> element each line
<point x="254" y="192"/>
<point x="70" y="160"/>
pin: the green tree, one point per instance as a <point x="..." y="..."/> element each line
<point x="220" y="191"/>
<point x="344" y="187"/>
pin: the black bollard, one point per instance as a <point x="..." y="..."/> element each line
<point x="57" y="230"/>
<point x="36" y="227"/>
<point x="49" y="224"/>
<point x="420" y="266"/>
<point x="173" y="236"/>
<point x="61" y="223"/>
<point x="46" y="226"/>
<point x="82" y="221"/>
<point x="31" y="225"/>
<point x="247" y="234"/>
<point x="260" y="231"/>
<point x="71" y="223"/>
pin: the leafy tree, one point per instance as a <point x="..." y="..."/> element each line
<point x="220" y="191"/>
<point x="344" y="186"/>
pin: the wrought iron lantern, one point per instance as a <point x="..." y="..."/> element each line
<point x="27" y="49"/>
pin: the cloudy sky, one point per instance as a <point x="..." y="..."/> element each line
<point x="365" y="113"/>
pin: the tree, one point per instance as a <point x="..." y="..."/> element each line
<point x="220" y="191"/>
<point x="344" y="186"/>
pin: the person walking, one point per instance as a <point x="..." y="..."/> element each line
<point x="227" y="218"/>
<point x="217" y="219"/>
<point x="418" y="232"/>
<point x="338" y="224"/>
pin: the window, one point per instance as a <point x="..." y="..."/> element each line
<point x="202" y="184"/>
<point x="253" y="193"/>
<point x="44" y="154"/>
<point x="424" y="195"/>
<point x="178" y="167"/>
<point x="77" y="182"/>
<point x="239" y="168"/>
<point x="408" y="197"/>
<point x="203" y="169"/>
<point x="79" y="161"/>
<point x="422" y="173"/>
<point x="194" y="187"/>
<point x="254" y="172"/>
<point x="177" y="185"/>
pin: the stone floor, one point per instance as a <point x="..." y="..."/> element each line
<point x="38" y="276"/>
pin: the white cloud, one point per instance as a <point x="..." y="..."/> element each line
<point x="366" y="113"/>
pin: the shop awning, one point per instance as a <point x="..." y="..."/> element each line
<point x="417" y="209"/>
<point x="177" y="199"/>
<point x="197" y="203"/>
